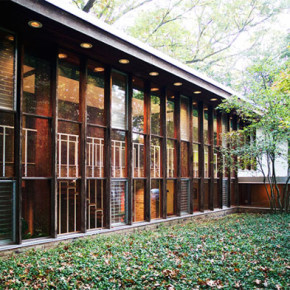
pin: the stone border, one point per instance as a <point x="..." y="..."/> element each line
<point x="48" y="243"/>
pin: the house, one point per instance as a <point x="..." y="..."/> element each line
<point x="98" y="131"/>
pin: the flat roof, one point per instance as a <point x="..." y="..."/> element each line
<point x="89" y="25"/>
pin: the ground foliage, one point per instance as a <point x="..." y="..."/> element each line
<point x="239" y="251"/>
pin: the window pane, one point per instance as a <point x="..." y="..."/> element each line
<point x="195" y="123"/>
<point x="7" y="70"/>
<point x="195" y="160"/>
<point x="184" y="196"/>
<point x="118" y="203"/>
<point x="95" y="200"/>
<point x="155" y="199"/>
<point x="184" y="159"/>
<point x="119" y="156"/>
<point x="170" y="186"/>
<point x="171" y="159"/>
<point x="36" y="205"/>
<point x="215" y="128"/>
<point x="215" y="164"/>
<point x="184" y="119"/>
<point x="138" y="156"/>
<point x="95" y="94"/>
<point x="155" y="113"/>
<point x="195" y="195"/>
<point x="215" y="195"/>
<point x="6" y="145"/>
<point x="138" y="106"/>
<point x="224" y="129"/>
<point x="138" y="201"/>
<point x="119" y="104"/>
<point x="95" y="152"/>
<point x="205" y="125"/>
<point x="36" y="85"/>
<point x="155" y="163"/>
<point x="68" y="150"/>
<point x="36" y="147"/>
<point x="7" y="211"/>
<point x="206" y="162"/>
<point x="68" y="206"/>
<point x="170" y="116"/>
<point x="206" y="194"/>
<point x="68" y="87"/>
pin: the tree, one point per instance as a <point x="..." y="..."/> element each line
<point x="266" y="112"/>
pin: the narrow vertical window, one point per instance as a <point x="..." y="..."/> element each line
<point x="170" y="187"/>
<point x="184" y="119"/>
<point x="138" y="200"/>
<point x="171" y="159"/>
<point x="155" y="157"/>
<point x="138" y="155"/>
<point x="119" y="203"/>
<point x="118" y="154"/>
<point x="155" y="199"/>
<point x="138" y="106"/>
<point x="155" y="112"/>
<point x="170" y="116"/>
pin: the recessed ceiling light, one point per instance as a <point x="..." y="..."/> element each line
<point x="98" y="69"/>
<point x="154" y="89"/>
<point x="35" y="24"/>
<point x="178" y="84"/>
<point x="124" y="61"/>
<point x="62" y="55"/>
<point x="86" y="45"/>
<point x="213" y="99"/>
<point x="10" y="37"/>
<point x="197" y="92"/>
<point x="194" y="103"/>
<point x="154" y="73"/>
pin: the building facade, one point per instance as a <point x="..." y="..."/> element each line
<point x="97" y="131"/>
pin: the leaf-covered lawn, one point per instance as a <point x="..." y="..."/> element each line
<point x="242" y="251"/>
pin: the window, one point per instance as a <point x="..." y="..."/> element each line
<point x="205" y="126"/>
<point x="118" y="158"/>
<point x="170" y="186"/>
<point x="138" y="156"/>
<point x="184" y="196"/>
<point x="206" y="162"/>
<point x="195" y="123"/>
<point x="184" y="159"/>
<point x="95" y="94"/>
<point x="155" y="163"/>
<point x="155" y="199"/>
<point x="155" y="113"/>
<point x="138" y="200"/>
<point x="118" y="202"/>
<point x="119" y="100"/>
<point x="171" y="159"/>
<point x="184" y="119"/>
<point x="138" y="106"/>
<point x="170" y="116"/>
<point x="7" y="70"/>
<point x="195" y="161"/>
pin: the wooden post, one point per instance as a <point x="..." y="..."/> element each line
<point x="54" y="104"/>
<point x="163" y="100"/>
<point x="178" y="155"/>
<point x="18" y="141"/>
<point x="210" y="154"/>
<point x="130" y="152"/>
<point x="83" y="155"/>
<point x="201" y="156"/>
<point x="147" y="119"/>
<point x="107" y="146"/>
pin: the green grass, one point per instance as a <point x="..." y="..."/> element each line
<point x="238" y="251"/>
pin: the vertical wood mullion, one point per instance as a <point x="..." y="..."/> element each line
<point x="54" y="104"/>
<point x="210" y="155"/>
<point x="147" y="151"/>
<point x="18" y="140"/>
<point x="220" y="163"/>
<point x="190" y="157"/>
<point x="201" y="156"/>
<point x="107" y="148"/>
<point x="178" y="154"/>
<point x="83" y="155"/>
<point x="163" y="101"/>
<point x="130" y="153"/>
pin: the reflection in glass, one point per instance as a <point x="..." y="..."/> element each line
<point x="171" y="159"/>
<point x="36" y="147"/>
<point x="118" y="203"/>
<point x="36" y="205"/>
<point x="215" y="129"/>
<point x="184" y="119"/>
<point x="95" y="204"/>
<point x="195" y="124"/>
<point x="138" y="155"/>
<point x="138" y="106"/>
<point x="205" y="125"/>
<point x="170" y="115"/>
<point x="195" y="194"/>
<point x="206" y="162"/>
<point x="195" y="160"/>
<point x="119" y="102"/>
<point x="68" y="88"/>
<point x="155" y="164"/>
<point x="36" y="85"/>
<point x="7" y="72"/>
<point x="138" y="201"/>
<point x="170" y="187"/>
<point x="155" y="194"/>
<point x="95" y="152"/>
<point x="155" y="114"/>
<point x="68" y="196"/>
<point x="6" y="145"/>
<point x="95" y="94"/>
<point x="68" y="150"/>
<point x="118" y="158"/>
